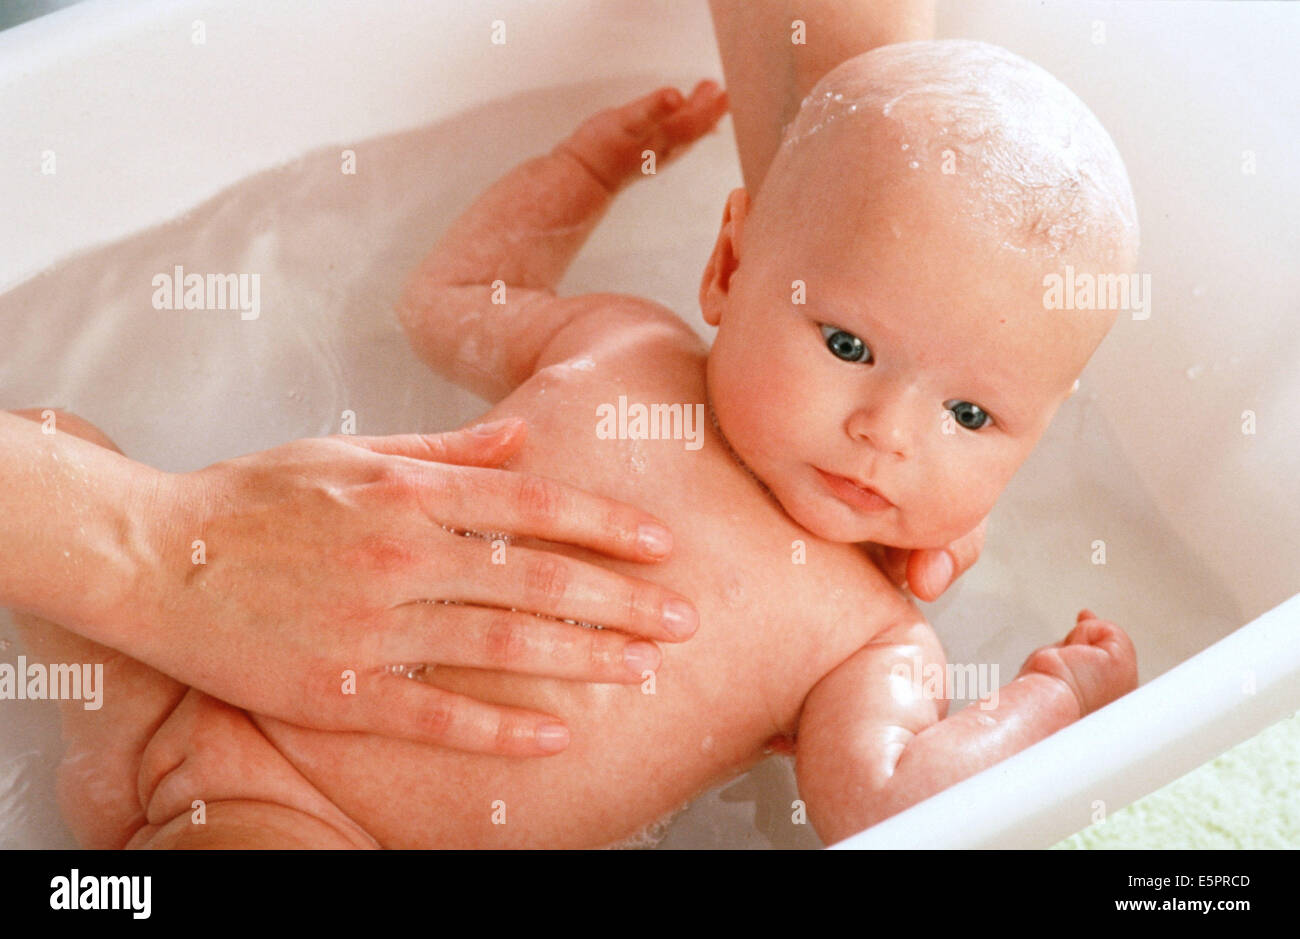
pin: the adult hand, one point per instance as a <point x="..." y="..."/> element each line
<point x="928" y="572"/>
<point x="318" y="560"/>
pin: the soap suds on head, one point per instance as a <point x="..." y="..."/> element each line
<point x="1042" y="167"/>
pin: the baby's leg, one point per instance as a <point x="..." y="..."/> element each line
<point x="871" y="743"/>
<point x="209" y="778"/>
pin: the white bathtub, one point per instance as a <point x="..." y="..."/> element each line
<point x="1199" y="519"/>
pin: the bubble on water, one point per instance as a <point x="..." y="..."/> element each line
<point x="636" y="460"/>
<point x="907" y="146"/>
<point x="1194" y="372"/>
<point x="913" y="164"/>
<point x="647" y="837"/>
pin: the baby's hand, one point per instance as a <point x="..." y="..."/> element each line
<point x="1096" y="660"/>
<point x="611" y="144"/>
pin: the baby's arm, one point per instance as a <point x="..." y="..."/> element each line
<point x="482" y="306"/>
<point x="871" y="742"/>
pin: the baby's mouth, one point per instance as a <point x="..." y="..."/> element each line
<point x="859" y="497"/>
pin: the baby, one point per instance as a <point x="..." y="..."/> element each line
<point x="884" y="362"/>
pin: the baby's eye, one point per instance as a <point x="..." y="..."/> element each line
<point x="970" y="416"/>
<point x="844" y="345"/>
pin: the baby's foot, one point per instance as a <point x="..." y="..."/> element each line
<point x="611" y="144"/>
<point x="1096" y="661"/>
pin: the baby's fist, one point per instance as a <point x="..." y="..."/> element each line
<point x="1096" y="660"/>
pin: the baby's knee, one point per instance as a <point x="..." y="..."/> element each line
<point x="66" y="422"/>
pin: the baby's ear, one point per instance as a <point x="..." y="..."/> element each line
<point x="715" y="285"/>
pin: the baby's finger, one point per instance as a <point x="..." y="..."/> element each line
<point x="397" y="706"/>
<point x="506" y="640"/>
<point x="696" y="117"/>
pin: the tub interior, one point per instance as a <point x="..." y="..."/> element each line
<point x="1148" y="456"/>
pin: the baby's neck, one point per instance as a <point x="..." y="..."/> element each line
<point x="713" y="418"/>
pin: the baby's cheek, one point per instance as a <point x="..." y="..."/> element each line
<point x="955" y="506"/>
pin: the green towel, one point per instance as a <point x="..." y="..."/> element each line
<point x="1248" y="797"/>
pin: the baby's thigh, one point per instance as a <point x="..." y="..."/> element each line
<point x="209" y="778"/>
<point x="242" y="824"/>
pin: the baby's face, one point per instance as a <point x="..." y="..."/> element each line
<point x="921" y="364"/>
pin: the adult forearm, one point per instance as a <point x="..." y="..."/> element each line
<point x="73" y="518"/>
<point x="771" y="62"/>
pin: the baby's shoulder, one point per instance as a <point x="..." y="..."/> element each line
<point x="618" y="326"/>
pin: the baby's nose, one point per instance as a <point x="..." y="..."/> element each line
<point x="882" y="424"/>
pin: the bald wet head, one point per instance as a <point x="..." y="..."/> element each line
<point x="1030" y="159"/>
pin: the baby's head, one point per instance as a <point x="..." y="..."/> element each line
<point x="880" y="304"/>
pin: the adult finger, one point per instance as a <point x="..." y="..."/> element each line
<point x="932" y="571"/>
<point x="507" y="640"/>
<point x="554" y="585"/>
<point x="397" y="706"/>
<point x="475" y="499"/>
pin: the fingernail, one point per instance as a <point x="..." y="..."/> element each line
<point x="680" y="618"/>
<point x="1085" y="614"/>
<point x="552" y="737"/>
<point x="490" y="428"/>
<point x="653" y="539"/>
<point x="939" y="574"/>
<point x="641" y="657"/>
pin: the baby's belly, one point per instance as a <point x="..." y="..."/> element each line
<point x="636" y="754"/>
